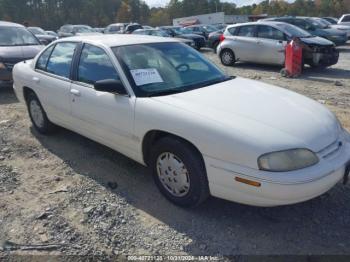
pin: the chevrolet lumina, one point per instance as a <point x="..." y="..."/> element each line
<point x="202" y="133"/>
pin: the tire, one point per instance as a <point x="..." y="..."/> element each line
<point x="38" y="115"/>
<point x="192" y="185"/>
<point x="227" y="57"/>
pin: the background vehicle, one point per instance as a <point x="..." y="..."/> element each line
<point x="99" y="29"/>
<point x="180" y="32"/>
<point x="16" y="44"/>
<point x="214" y="39"/>
<point x="131" y="28"/>
<point x="44" y="37"/>
<point x="52" y="33"/>
<point x="115" y="28"/>
<point x="314" y="28"/>
<point x="332" y="20"/>
<point x="161" y="33"/>
<point x="154" y="32"/>
<point x="344" y="20"/>
<point x="72" y="30"/>
<point x="203" y="30"/>
<point x="147" y="27"/>
<point x="233" y="138"/>
<point x="264" y="42"/>
<point x="344" y="28"/>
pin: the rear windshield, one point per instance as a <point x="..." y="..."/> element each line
<point x="16" y="36"/>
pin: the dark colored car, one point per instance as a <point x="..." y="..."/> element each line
<point x="203" y="30"/>
<point x="160" y="33"/>
<point x="179" y="32"/>
<point x="16" y="44"/>
<point x="131" y="28"/>
<point x="332" y="20"/>
<point x="214" y="39"/>
<point x="44" y="37"/>
<point x="314" y="27"/>
<point x="73" y="30"/>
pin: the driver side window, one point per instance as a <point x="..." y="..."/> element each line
<point x="95" y="65"/>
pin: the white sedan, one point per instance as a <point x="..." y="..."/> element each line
<point x="202" y="133"/>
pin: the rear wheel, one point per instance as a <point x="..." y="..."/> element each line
<point x="179" y="172"/>
<point x="38" y="115"/>
<point x="227" y="57"/>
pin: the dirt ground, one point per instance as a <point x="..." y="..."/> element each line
<point x="67" y="195"/>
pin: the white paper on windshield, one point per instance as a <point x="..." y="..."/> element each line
<point x="146" y="76"/>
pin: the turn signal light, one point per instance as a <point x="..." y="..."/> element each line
<point x="248" y="182"/>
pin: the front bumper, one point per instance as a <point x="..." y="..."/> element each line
<point x="277" y="188"/>
<point x="321" y="57"/>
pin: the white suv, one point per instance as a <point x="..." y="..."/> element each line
<point x="344" y="20"/>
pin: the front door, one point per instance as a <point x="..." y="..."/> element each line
<point x="105" y="117"/>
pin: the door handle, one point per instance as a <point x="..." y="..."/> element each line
<point x="36" y="79"/>
<point x="75" y="92"/>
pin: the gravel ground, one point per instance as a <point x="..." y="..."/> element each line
<point x="67" y="195"/>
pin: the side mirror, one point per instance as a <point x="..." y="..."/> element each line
<point x="110" y="86"/>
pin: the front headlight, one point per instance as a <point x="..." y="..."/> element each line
<point x="288" y="160"/>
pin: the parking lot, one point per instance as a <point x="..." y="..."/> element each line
<point x="87" y="199"/>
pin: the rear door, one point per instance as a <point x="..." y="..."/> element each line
<point x="246" y="43"/>
<point x="271" y="45"/>
<point x="52" y="81"/>
<point x="105" y="117"/>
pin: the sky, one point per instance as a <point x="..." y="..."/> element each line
<point x="157" y="3"/>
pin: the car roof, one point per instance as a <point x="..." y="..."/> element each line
<point x="10" y="24"/>
<point x="261" y="22"/>
<point x="119" y="40"/>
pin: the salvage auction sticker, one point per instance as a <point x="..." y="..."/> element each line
<point x="146" y="76"/>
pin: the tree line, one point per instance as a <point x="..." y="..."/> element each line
<point x="51" y="14"/>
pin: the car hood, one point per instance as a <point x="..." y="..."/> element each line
<point x="249" y="106"/>
<point x="19" y="53"/>
<point x="316" y="40"/>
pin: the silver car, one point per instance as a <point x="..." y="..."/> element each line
<point x="265" y="43"/>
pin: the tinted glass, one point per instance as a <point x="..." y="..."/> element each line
<point x="232" y="30"/>
<point x="300" y="23"/>
<point x="42" y="61"/>
<point x="37" y="30"/>
<point x="16" y="36"/>
<point x="166" y="67"/>
<point x="346" y="18"/>
<point x="61" y="59"/>
<point x="247" y="31"/>
<point x="269" y="32"/>
<point x="294" y="31"/>
<point x="95" y="65"/>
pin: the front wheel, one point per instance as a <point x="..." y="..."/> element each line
<point x="227" y="57"/>
<point x="38" y="116"/>
<point x="179" y="172"/>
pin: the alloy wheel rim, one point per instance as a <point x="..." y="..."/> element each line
<point x="173" y="174"/>
<point x="227" y="57"/>
<point x="36" y="113"/>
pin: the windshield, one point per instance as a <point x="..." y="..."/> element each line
<point x="317" y="24"/>
<point x="159" y="33"/>
<point x="184" y="31"/>
<point x="164" y="68"/>
<point x="294" y="31"/>
<point x="37" y="31"/>
<point x="16" y="36"/>
<point x="323" y="22"/>
<point x="210" y="28"/>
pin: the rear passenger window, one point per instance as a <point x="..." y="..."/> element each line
<point x="269" y="32"/>
<point x="95" y="65"/>
<point x="247" y="31"/>
<point x="42" y="61"/>
<point x="232" y="30"/>
<point x="61" y="59"/>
